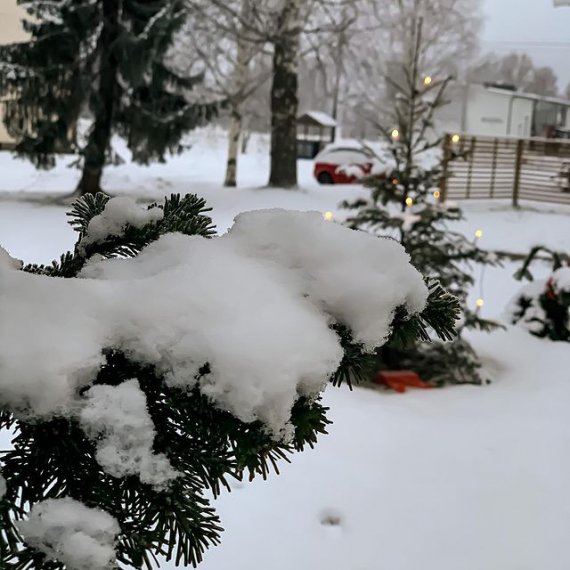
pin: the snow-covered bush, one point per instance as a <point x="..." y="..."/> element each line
<point x="153" y="362"/>
<point x="543" y="306"/>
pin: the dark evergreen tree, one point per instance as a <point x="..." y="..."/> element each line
<point x="405" y="203"/>
<point x="107" y="58"/>
<point x="53" y="459"/>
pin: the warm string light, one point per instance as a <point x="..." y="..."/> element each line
<point x="409" y="201"/>
<point x="455" y="139"/>
<point x="328" y="216"/>
<point x="437" y="194"/>
<point x="395" y="134"/>
<point x="428" y="80"/>
<point x="479" y="303"/>
<point x="478" y="236"/>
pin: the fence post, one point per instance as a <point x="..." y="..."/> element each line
<point x="445" y="167"/>
<point x="518" y="168"/>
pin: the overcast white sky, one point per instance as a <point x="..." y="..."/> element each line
<point x="521" y="22"/>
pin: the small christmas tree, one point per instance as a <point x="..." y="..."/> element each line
<point x="155" y="361"/>
<point x="106" y="57"/>
<point x="405" y="203"/>
<point x="543" y="306"/>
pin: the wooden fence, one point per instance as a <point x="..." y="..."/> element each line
<point x="506" y="168"/>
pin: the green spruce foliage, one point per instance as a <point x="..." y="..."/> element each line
<point x="405" y="203"/>
<point x="53" y="458"/>
<point x="106" y="59"/>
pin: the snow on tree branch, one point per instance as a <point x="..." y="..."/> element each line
<point x="116" y="417"/>
<point x="242" y="304"/>
<point x="67" y="531"/>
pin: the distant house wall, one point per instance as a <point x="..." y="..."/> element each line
<point x="495" y="114"/>
<point x="10" y="31"/>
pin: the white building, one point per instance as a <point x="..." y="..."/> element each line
<point x="11" y="30"/>
<point x="481" y="110"/>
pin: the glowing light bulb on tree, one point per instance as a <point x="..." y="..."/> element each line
<point x="409" y="201"/>
<point x="428" y="80"/>
<point x="395" y="134"/>
<point x="455" y="139"/>
<point x="328" y="216"/>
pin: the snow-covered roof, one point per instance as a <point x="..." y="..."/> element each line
<point x="319" y="117"/>
<point x="529" y="96"/>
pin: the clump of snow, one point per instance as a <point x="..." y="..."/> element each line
<point x="118" y="419"/>
<point x="409" y="219"/>
<point x="255" y="304"/>
<point x="119" y="212"/>
<point x="356" y="278"/>
<point x="67" y="531"/>
<point x="2" y="487"/>
<point x="561" y="280"/>
<point x="351" y="170"/>
<point x="6" y="260"/>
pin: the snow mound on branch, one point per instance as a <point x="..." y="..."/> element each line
<point x="256" y="305"/>
<point x="356" y="278"/>
<point x="118" y="419"/>
<point x="7" y="261"/>
<point x="69" y="532"/>
<point x="2" y="487"/>
<point x="119" y="212"/>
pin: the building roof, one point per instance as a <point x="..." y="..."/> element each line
<point x="528" y="96"/>
<point x="318" y="118"/>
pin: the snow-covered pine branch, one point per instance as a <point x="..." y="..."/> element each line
<point x="154" y="361"/>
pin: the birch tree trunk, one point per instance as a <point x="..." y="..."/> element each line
<point x="284" y="98"/>
<point x="233" y="148"/>
<point x="240" y="79"/>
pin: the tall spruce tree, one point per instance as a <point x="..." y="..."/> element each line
<point x="78" y="473"/>
<point x="106" y="58"/>
<point x="406" y="204"/>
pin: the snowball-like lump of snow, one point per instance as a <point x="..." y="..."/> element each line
<point x="119" y="212"/>
<point x="256" y="305"/>
<point x="116" y="417"/>
<point x="7" y="261"/>
<point x="67" y="531"/>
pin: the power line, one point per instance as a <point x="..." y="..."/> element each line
<point x="538" y="44"/>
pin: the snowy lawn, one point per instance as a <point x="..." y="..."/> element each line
<point x="454" y="479"/>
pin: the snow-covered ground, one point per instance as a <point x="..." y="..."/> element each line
<point x="461" y="478"/>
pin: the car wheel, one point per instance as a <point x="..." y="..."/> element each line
<point x="325" y="178"/>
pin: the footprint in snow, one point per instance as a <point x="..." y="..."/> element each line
<point x="332" y="520"/>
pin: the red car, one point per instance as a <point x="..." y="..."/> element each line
<point x="343" y="164"/>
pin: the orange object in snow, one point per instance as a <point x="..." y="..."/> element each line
<point x="400" y="380"/>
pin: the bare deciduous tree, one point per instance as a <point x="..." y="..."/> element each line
<point x="517" y="70"/>
<point x="282" y="26"/>
<point x="450" y="40"/>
